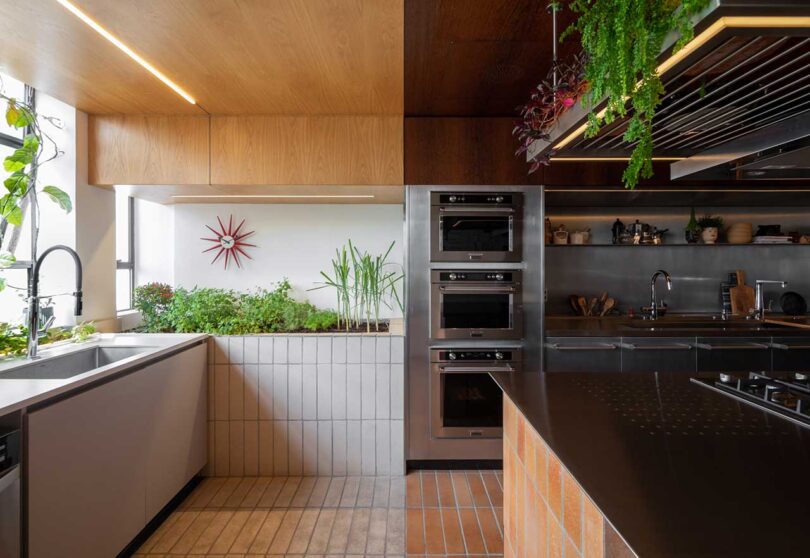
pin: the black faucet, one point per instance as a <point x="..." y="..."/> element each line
<point x="33" y="295"/>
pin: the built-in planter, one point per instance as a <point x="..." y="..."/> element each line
<point x="319" y="404"/>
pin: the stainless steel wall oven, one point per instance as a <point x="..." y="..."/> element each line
<point x="476" y="227"/>
<point x="465" y="401"/>
<point x="476" y="304"/>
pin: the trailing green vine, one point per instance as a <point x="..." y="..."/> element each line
<point x="623" y="39"/>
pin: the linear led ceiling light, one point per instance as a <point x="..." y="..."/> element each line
<point x="275" y="196"/>
<point x="702" y="39"/>
<point x="125" y="49"/>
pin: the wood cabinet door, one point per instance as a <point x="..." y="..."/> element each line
<point x="86" y="471"/>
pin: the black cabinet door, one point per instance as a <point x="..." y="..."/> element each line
<point x="791" y="354"/>
<point x="654" y="354"/>
<point x="734" y="354"/>
<point x="583" y="354"/>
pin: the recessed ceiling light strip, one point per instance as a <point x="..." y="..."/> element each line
<point x="125" y="49"/>
<point x="274" y="196"/>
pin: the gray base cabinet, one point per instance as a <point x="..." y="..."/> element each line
<point x="102" y="463"/>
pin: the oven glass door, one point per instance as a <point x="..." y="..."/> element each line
<point x="476" y="310"/>
<point x="475" y="232"/>
<point x="467" y="403"/>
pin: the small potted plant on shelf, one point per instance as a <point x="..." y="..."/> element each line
<point x="692" y="231"/>
<point x="710" y="228"/>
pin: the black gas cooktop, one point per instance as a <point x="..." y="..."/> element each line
<point x="783" y="393"/>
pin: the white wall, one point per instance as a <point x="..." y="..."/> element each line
<point x="154" y="243"/>
<point x="293" y="241"/>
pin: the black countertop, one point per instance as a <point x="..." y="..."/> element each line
<point x="669" y="326"/>
<point x="680" y="471"/>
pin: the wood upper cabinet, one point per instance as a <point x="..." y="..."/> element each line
<point x="148" y="149"/>
<point x="293" y="150"/>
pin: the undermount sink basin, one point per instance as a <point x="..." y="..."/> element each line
<point x="60" y="367"/>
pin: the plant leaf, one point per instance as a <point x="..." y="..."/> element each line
<point x="18" y="160"/>
<point x="9" y="209"/>
<point x="17" y="115"/>
<point x="31" y="142"/>
<point x="6" y="259"/>
<point x="60" y="197"/>
<point x="17" y="183"/>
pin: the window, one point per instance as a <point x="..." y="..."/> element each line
<point x="124" y="251"/>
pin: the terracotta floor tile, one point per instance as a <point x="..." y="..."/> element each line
<point x="254" y="496"/>
<point x="304" y="492"/>
<point x="236" y="497"/>
<point x="224" y="492"/>
<point x="493" y="540"/>
<point x="267" y="532"/>
<point x="195" y="530"/>
<point x="287" y="492"/>
<point x="173" y="534"/>
<point x="248" y="533"/>
<point x="477" y="489"/>
<point x="472" y="533"/>
<point x="415" y="532"/>
<point x="434" y="537"/>
<point x="453" y="536"/>
<point x="555" y="486"/>
<point x="284" y="535"/>
<point x="223" y="542"/>
<point x="413" y="490"/>
<point x="323" y="528"/>
<point x="555" y="538"/>
<point x="430" y="494"/>
<point x="593" y="531"/>
<point x="494" y="490"/>
<point x="268" y="499"/>
<point x="340" y="532"/>
<point x="446" y="493"/>
<point x="462" y="489"/>
<point x="319" y="492"/>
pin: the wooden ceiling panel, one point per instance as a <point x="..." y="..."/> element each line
<point x="476" y="58"/>
<point x="44" y="45"/>
<point x="283" y="57"/>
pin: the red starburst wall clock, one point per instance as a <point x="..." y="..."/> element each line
<point x="229" y="242"/>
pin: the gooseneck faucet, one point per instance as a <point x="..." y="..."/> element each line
<point x="653" y="300"/>
<point x="759" y="307"/>
<point x="33" y="295"/>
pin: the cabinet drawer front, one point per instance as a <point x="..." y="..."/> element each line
<point x="671" y="354"/>
<point x="582" y="354"/>
<point x="738" y="354"/>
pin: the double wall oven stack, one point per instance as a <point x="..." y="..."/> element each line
<point x="471" y="255"/>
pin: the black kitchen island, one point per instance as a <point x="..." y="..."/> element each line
<point x="653" y="462"/>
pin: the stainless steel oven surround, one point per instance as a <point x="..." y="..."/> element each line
<point x="476" y="304"/>
<point x="476" y="226"/>
<point x="465" y="401"/>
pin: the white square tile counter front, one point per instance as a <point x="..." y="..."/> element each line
<point x="306" y="405"/>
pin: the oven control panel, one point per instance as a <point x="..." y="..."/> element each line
<point x="476" y="355"/>
<point x="466" y="198"/>
<point x="9" y="449"/>
<point x="478" y="276"/>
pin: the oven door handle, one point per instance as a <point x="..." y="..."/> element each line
<point x="469" y="369"/>
<point x="482" y="290"/>
<point x="473" y="211"/>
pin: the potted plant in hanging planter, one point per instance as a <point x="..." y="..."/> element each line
<point x="710" y="228"/>
<point x="692" y="231"/>
<point x="622" y="40"/>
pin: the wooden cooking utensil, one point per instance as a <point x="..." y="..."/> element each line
<point x="608" y="306"/>
<point x="742" y="296"/>
<point x="602" y="298"/>
<point x="592" y="306"/>
<point x="573" y="301"/>
<point x="583" y="305"/>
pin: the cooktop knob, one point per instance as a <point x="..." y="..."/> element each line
<point x="498" y="199"/>
<point x="451" y="356"/>
<point x="498" y="355"/>
<point x="499" y="276"/>
<point x="453" y="276"/>
<point x="453" y="199"/>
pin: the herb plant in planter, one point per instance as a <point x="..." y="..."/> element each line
<point x="692" y="231"/>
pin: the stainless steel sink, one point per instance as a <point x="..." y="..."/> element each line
<point x="67" y="365"/>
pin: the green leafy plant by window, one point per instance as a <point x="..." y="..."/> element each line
<point x="623" y="39"/>
<point x="22" y="165"/>
<point x="152" y="301"/>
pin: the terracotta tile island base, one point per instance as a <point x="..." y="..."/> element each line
<point x="546" y="512"/>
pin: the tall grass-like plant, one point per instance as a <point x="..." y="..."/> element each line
<point x="363" y="286"/>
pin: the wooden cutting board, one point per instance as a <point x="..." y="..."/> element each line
<point x="742" y="296"/>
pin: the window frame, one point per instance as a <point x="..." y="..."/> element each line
<point x="129" y="263"/>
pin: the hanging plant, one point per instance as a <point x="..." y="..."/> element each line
<point x="623" y="39"/>
<point x="547" y="103"/>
